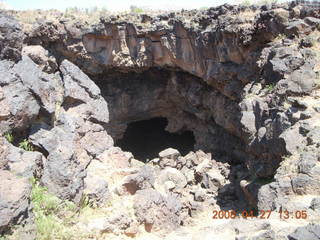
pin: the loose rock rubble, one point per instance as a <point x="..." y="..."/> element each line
<point x="243" y="80"/>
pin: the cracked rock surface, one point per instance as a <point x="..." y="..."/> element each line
<point x="243" y="80"/>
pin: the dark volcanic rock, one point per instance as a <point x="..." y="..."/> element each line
<point x="11" y="36"/>
<point x="165" y="210"/>
<point x="14" y="199"/>
<point x="309" y="232"/>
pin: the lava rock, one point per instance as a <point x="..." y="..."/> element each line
<point x="170" y="175"/>
<point x="309" y="232"/>
<point x="143" y="179"/>
<point x="12" y="38"/>
<point x="165" y="212"/>
<point x="14" y="199"/>
<point x="95" y="185"/>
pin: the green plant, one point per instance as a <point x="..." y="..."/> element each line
<point x="280" y="37"/>
<point x="26" y="145"/>
<point x="136" y="9"/>
<point x="270" y="87"/>
<point x="9" y="136"/>
<point x="246" y="3"/>
<point x="52" y="215"/>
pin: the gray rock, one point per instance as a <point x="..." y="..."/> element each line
<point x="265" y="235"/>
<point x="312" y="21"/>
<point x="309" y="232"/>
<point x="11" y="38"/>
<point x="95" y="186"/>
<point x="313" y="137"/>
<point x="14" y="199"/>
<point x="47" y="87"/>
<point x="116" y="223"/>
<point x="26" y="164"/>
<point x="168" y="157"/>
<point x="315" y="204"/>
<point x="307" y="161"/>
<point x="72" y="142"/>
<point x="305" y="184"/>
<point x="19" y="107"/>
<point x="299" y="82"/>
<point x="121" y="221"/>
<point x="296" y="27"/>
<point x="172" y="175"/>
<point x="41" y="57"/>
<point x="266" y="196"/>
<point x="143" y="179"/>
<point x="63" y="174"/>
<point x="165" y="212"/>
<point x="292" y="139"/>
<point x="200" y="195"/>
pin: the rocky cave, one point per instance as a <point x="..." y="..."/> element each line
<point x="145" y="124"/>
<point x="146" y="138"/>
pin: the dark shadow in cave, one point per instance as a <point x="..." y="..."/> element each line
<point x="145" y="139"/>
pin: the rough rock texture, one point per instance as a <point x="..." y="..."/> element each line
<point x="11" y="36"/>
<point x="14" y="199"/>
<point x="71" y="143"/>
<point x="215" y="72"/>
<point x="243" y="80"/>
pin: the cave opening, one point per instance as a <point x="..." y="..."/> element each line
<point x="146" y="138"/>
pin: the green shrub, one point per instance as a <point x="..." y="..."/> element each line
<point x="9" y="137"/>
<point x="270" y="87"/>
<point x="26" y="145"/>
<point x="136" y="9"/>
<point x="52" y="215"/>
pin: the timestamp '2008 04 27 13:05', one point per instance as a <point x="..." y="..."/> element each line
<point x="262" y="214"/>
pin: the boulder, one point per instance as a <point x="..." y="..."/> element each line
<point x="12" y="38"/>
<point x="309" y="232"/>
<point x="46" y="62"/>
<point x="168" y="157"/>
<point x="19" y="106"/>
<point x="165" y="212"/>
<point x="14" y="199"/>
<point x="143" y="179"/>
<point x="172" y="178"/>
<point x="95" y="184"/>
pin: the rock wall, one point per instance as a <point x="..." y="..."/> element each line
<point x="244" y="80"/>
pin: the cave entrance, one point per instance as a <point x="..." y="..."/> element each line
<point x="145" y="139"/>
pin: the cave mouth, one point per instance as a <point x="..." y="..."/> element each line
<point x="146" y="138"/>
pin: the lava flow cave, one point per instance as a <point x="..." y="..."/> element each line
<point x="146" y="138"/>
<point x="160" y="108"/>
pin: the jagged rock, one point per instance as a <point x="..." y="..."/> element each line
<point x="72" y="142"/>
<point x="114" y="157"/>
<point x="313" y="136"/>
<point x="304" y="184"/>
<point x="143" y="179"/>
<point x="46" y="62"/>
<point x="165" y="210"/>
<point x="309" y="232"/>
<point x="307" y="161"/>
<point x="225" y="75"/>
<point x="315" y="204"/>
<point x="14" y="199"/>
<point x="292" y="139"/>
<point x="25" y="164"/>
<point x="170" y="175"/>
<point x="48" y="88"/>
<point x="299" y="82"/>
<point x="114" y="224"/>
<point x="168" y="157"/>
<point x="95" y="184"/>
<point x="20" y="108"/>
<point x="12" y="38"/>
